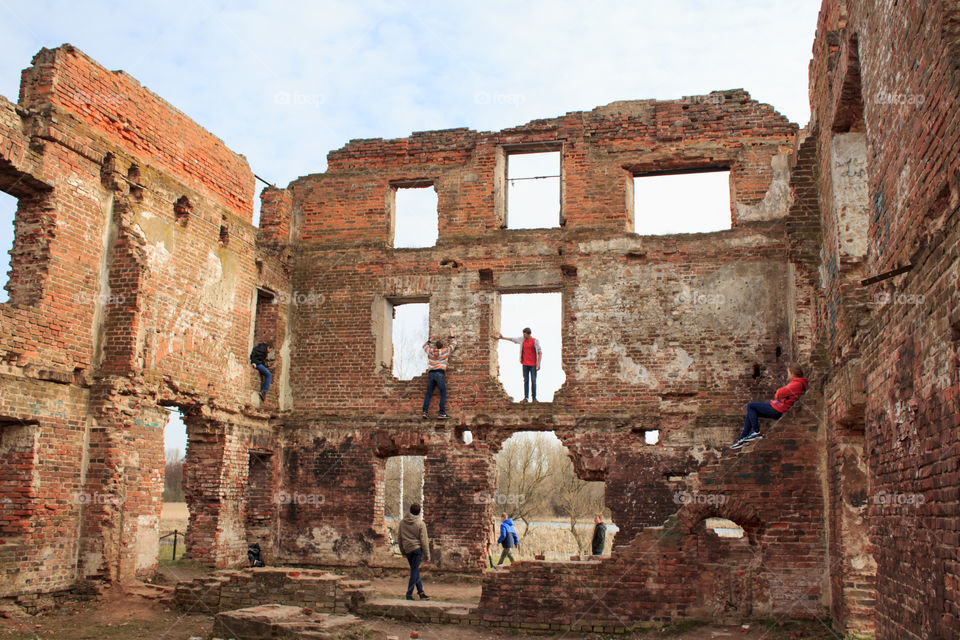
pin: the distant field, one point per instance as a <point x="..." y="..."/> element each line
<point x="173" y="516"/>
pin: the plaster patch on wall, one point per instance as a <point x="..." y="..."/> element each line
<point x="776" y="202"/>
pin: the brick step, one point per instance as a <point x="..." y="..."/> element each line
<point x="150" y="591"/>
<point x="275" y="620"/>
<point x="437" y="611"/>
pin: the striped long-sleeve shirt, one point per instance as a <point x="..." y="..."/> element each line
<point x="437" y="358"/>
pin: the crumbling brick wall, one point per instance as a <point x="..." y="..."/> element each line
<point x="888" y="73"/>
<point x="120" y="302"/>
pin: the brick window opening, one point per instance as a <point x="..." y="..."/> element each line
<point x="552" y="509"/>
<point x="414" y="219"/>
<point x="174" y="514"/>
<point x="723" y="528"/>
<point x="261" y="500"/>
<point x="651" y="436"/>
<point x="8" y="209"/>
<point x="402" y="486"/>
<point x="533" y="190"/>
<point x="689" y="202"/>
<point x="464" y="436"/>
<point x="401" y="326"/>
<point x="182" y="209"/>
<point x="266" y="317"/>
<point x="18" y="448"/>
<point x="540" y="312"/>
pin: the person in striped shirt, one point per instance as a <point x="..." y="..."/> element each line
<point x="437" y="356"/>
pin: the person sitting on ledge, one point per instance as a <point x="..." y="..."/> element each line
<point x="783" y="399"/>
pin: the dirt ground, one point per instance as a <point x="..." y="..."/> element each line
<point x="120" y="617"/>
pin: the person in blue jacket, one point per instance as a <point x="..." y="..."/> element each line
<point x="508" y="538"/>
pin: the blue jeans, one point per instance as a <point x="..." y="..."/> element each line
<point x="413" y="558"/>
<point x="436" y="379"/>
<point x="755" y="409"/>
<point x="265" y="377"/>
<point x="530" y="380"/>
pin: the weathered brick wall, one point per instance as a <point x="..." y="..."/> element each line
<point x="889" y="71"/>
<point x="121" y="305"/>
<point x="683" y="571"/>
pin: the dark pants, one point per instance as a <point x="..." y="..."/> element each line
<point x="265" y="377"/>
<point x="755" y="410"/>
<point x="438" y="380"/>
<point x="413" y="558"/>
<point x="506" y="554"/>
<point x="530" y="380"/>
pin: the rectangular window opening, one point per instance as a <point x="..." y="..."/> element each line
<point x="533" y="190"/>
<point x="411" y="328"/>
<point x="260" y="498"/>
<point x="267" y="317"/>
<point x="689" y="202"/>
<point x="8" y="210"/>
<point x="415" y="219"/>
<point x="174" y="514"/>
<point x="402" y="486"/>
<point x="542" y="314"/>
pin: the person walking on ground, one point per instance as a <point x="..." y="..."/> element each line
<point x="258" y="358"/>
<point x="414" y="544"/>
<point x="783" y="399"/>
<point x="530" y="357"/>
<point x="437" y="356"/>
<point x="599" y="535"/>
<point x="508" y="539"/>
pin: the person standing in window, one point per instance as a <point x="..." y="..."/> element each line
<point x="530" y="357"/>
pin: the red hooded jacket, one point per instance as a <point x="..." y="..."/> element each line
<point x="784" y="398"/>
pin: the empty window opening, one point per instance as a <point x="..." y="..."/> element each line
<point x="681" y="203"/>
<point x="533" y="190"/>
<point x="266" y="318"/>
<point x="541" y="313"/>
<point x="174" y="514"/>
<point x="415" y="220"/>
<point x="224" y="232"/>
<point x="552" y="510"/>
<point x="8" y="209"/>
<point x="411" y="328"/>
<point x="651" y="436"/>
<point x="402" y="486"/>
<point x="261" y="500"/>
<point x="724" y="528"/>
<point x="464" y="436"/>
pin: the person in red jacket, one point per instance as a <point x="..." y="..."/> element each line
<point x="783" y="399"/>
<point x="530" y="356"/>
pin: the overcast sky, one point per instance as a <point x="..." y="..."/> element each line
<point x="286" y="82"/>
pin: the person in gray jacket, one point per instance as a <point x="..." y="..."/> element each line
<point x="414" y="544"/>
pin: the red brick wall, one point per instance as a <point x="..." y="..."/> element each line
<point x="890" y="70"/>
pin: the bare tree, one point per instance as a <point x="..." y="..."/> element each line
<point x="575" y="499"/>
<point x="524" y="471"/>
<point x="173" y="477"/>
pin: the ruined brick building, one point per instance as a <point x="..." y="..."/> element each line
<point x="139" y="282"/>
